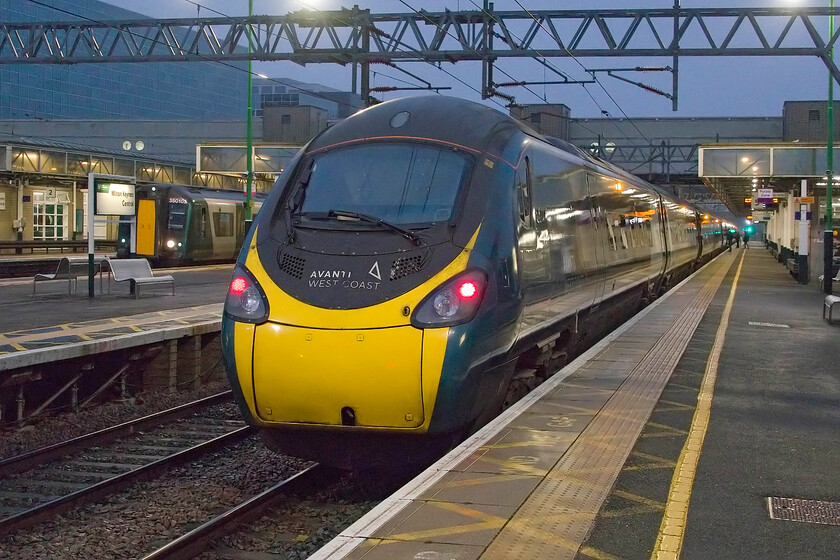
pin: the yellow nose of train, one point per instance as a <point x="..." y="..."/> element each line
<point x="367" y="368"/>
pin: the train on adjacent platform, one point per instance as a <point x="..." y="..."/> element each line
<point x="182" y="224"/>
<point x="423" y="264"/>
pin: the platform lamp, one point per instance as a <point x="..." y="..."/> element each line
<point x="828" y="235"/>
<point x="249" y="142"/>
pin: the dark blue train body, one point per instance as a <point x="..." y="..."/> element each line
<point x="426" y="262"/>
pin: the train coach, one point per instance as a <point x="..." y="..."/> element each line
<point x="181" y="224"/>
<point x="423" y="264"/>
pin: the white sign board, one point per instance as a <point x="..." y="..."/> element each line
<point x="114" y="199"/>
<point x="2" y="201"/>
<point x="765" y="193"/>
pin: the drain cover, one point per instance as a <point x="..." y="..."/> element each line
<point x="806" y="511"/>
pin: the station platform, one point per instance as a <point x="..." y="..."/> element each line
<point x="705" y="427"/>
<point x="50" y="325"/>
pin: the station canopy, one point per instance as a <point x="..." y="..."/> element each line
<point x="734" y="172"/>
<point x="231" y="158"/>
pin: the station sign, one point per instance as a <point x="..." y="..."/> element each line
<point x="803" y="199"/>
<point x="113" y="198"/>
<point x="765" y="193"/>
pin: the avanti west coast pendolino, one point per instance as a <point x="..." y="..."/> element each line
<point x="423" y="264"/>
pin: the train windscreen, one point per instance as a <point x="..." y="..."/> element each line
<point x="177" y="215"/>
<point x="399" y="182"/>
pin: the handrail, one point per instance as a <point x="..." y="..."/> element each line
<point x="74" y="246"/>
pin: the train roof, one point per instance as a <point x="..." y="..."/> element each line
<point x="193" y="192"/>
<point x="450" y="114"/>
<point x="485" y="131"/>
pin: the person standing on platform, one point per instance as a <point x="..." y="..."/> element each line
<point x="738" y="239"/>
<point x="729" y="239"/>
<point x="746" y="240"/>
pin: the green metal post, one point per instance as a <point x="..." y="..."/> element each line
<point x="249" y="143"/>
<point x="828" y="234"/>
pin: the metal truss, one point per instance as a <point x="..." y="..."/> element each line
<point x="663" y="159"/>
<point x="358" y="36"/>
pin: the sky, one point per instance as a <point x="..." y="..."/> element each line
<point x="708" y="86"/>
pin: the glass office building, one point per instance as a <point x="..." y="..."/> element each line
<point x="166" y="91"/>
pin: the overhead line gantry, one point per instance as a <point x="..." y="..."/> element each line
<point x="357" y="36"/>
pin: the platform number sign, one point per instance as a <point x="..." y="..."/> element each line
<point x="114" y="198"/>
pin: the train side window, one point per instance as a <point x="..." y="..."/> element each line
<point x="523" y="193"/>
<point x="202" y="223"/>
<point x="223" y="224"/>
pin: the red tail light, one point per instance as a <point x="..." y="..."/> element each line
<point x="467" y="290"/>
<point x="454" y="302"/>
<point x="238" y="285"/>
<point x="245" y="300"/>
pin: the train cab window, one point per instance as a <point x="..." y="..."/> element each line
<point x="223" y="224"/>
<point x="177" y="215"/>
<point x="402" y="183"/>
<point x="523" y="193"/>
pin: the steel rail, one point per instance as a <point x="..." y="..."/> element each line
<point x="37" y="457"/>
<point x="191" y="544"/>
<point x="119" y="482"/>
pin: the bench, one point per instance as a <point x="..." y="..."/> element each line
<point x="64" y="271"/>
<point x="137" y="273"/>
<point x="70" y="268"/>
<point x="835" y="279"/>
<point x="829" y="303"/>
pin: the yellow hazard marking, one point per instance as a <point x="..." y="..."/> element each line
<point x="597" y="554"/>
<point x="654" y="459"/>
<point x="672" y="530"/>
<point x="486" y="521"/>
<point x="461" y="483"/>
<point x="676" y="405"/>
<point x="134" y="322"/>
<point x="550" y="442"/>
<point x="514" y="466"/>
<point x="647" y="502"/>
<point x="630" y="511"/>
<point x="688" y="388"/>
<point x="665" y="428"/>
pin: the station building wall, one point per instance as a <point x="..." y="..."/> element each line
<point x="807" y="121"/>
<point x="171" y="139"/>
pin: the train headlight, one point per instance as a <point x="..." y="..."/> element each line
<point x="454" y="302"/>
<point x="171" y="243"/>
<point x="245" y="299"/>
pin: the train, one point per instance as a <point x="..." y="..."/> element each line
<point x="182" y="224"/>
<point x="426" y="262"/>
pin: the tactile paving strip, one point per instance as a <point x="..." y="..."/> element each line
<point x="555" y="520"/>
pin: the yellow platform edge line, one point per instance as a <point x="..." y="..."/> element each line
<point x="669" y="541"/>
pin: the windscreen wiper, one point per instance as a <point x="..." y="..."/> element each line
<point x="346" y="214"/>
<point x="295" y="201"/>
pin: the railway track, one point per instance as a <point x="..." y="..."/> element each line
<point x="198" y="540"/>
<point x="38" y="485"/>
